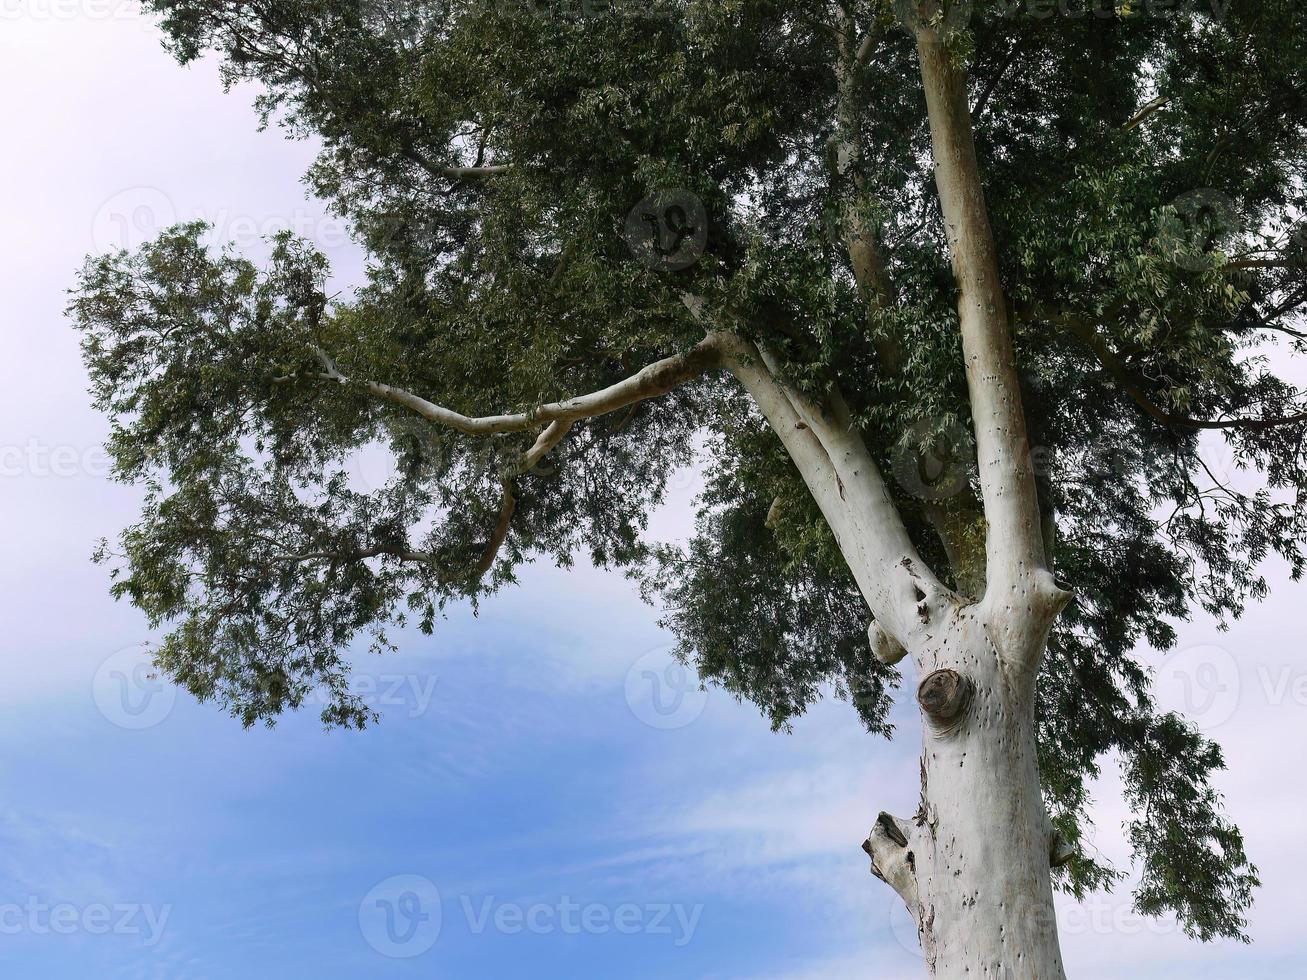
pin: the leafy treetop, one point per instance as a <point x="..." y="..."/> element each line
<point x="1144" y="173"/>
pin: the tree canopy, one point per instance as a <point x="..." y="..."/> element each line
<point x="1143" y="168"/>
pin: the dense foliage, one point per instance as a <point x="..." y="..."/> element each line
<point x="1144" y="170"/>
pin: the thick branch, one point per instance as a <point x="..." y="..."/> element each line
<point x="961" y="529"/>
<point x="552" y="435"/>
<point x="507" y="507"/>
<point x="899" y="588"/>
<point x="656" y="379"/>
<point x="861" y="236"/>
<point x="1015" y="558"/>
<point x="1060" y="853"/>
<point x="546" y="441"/>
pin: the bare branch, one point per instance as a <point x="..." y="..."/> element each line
<point x="1156" y="105"/>
<point x="654" y="380"/>
<point x="650" y="382"/>
<point x="900" y="590"/>
<point x="464" y="173"/>
<point x="1015" y="554"/>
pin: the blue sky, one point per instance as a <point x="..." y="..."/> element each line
<point x="542" y="799"/>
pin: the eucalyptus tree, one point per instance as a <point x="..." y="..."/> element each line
<point x="947" y="301"/>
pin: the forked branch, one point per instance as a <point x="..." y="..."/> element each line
<point x="557" y="417"/>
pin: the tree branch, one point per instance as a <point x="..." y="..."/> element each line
<point x="1116" y="367"/>
<point x="904" y="596"/>
<point x="650" y="382"/>
<point x="654" y="380"/>
<point x="358" y="554"/>
<point x="1261" y="264"/>
<point x="546" y="441"/>
<point x="1015" y="555"/>
<point x="1156" y="105"/>
<point x="982" y="102"/>
<point x="861" y="237"/>
<point x="891" y="859"/>
<point x="464" y="173"/>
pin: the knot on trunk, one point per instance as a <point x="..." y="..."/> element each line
<point x="943" y="696"/>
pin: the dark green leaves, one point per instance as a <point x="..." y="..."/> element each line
<point x="488" y="154"/>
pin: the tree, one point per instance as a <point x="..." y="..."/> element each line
<point x="944" y="298"/>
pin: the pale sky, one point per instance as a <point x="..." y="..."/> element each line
<point x="523" y="770"/>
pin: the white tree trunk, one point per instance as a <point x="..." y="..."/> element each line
<point x="973" y="863"/>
